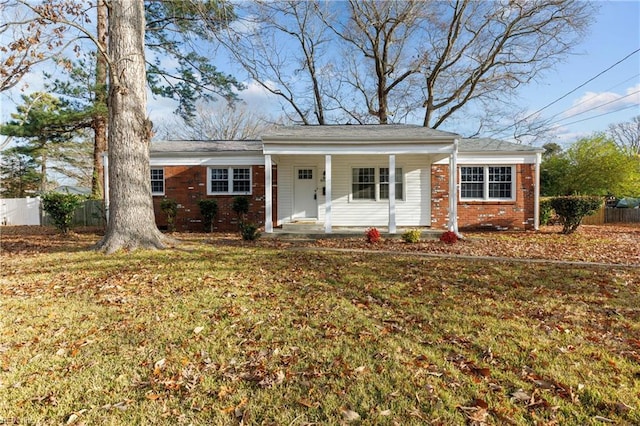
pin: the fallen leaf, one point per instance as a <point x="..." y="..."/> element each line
<point x="198" y="329"/>
<point x="521" y="396"/>
<point x="350" y="415"/>
<point x="385" y="412"/>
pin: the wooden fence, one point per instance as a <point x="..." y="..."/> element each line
<point x="90" y="213"/>
<point x="612" y="215"/>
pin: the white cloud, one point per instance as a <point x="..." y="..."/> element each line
<point x="604" y="102"/>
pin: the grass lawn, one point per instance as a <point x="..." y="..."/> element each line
<point x="219" y="332"/>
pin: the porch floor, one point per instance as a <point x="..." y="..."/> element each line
<point x="308" y="231"/>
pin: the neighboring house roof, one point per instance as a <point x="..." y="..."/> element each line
<point x="481" y="145"/>
<point x="366" y="133"/>
<point x="192" y="147"/>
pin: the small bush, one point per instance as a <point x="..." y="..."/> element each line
<point x="449" y="237"/>
<point x="249" y="232"/>
<point x="412" y="236"/>
<point x="240" y="206"/>
<point x="546" y="211"/>
<point x="169" y="207"/>
<point x="572" y="209"/>
<point x="209" y="211"/>
<point x="61" y="208"/>
<point x="372" y="235"/>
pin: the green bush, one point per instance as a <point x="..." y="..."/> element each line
<point x="546" y="211"/>
<point x="572" y="209"/>
<point x="241" y="207"/>
<point x="412" y="236"/>
<point x="249" y="232"/>
<point x="169" y="207"/>
<point x="61" y="207"/>
<point x="209" y="210"/>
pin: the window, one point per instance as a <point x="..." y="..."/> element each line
<point x="369" y="183"/>
<point x="229" y="180"/>
<point x="157" y="181"/>
<point x="486" y="182"/>
<point x="384" y="183"/>
<point x="364" y="183"/>
<point x="219" y="180"/>
<point x="305" y="174"/>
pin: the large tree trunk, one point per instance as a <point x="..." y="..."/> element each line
<point x="100" y="121"/>
<point x="131" y="222"/>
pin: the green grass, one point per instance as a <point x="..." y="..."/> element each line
<point x="223" y="335"/>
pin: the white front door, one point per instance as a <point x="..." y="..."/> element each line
<point x="305" y="204"/>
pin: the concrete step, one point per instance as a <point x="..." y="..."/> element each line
<point x="303" y="226"/>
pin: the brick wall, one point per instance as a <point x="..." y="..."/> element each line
<point x="188" y="184"/>
<point x="516" y="215"/>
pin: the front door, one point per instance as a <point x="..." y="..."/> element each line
<point x="305" y="204"/>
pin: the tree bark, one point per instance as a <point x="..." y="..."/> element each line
<point x="100" y="121"/>
<point x="131" y="221"/>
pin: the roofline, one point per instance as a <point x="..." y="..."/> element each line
<point x="356" y="140"/>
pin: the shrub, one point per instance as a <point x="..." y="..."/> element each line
<point x="61" y="207"/>
<point x="572" y="209"/>
<point x="209" y="210"/>
<point x="449" y="237"/>
<point x="169" y="207"/>
<point x="546" y="211"/>
<point x="241" y="207"/>
<point x="249" y="232"/>
<point x="372" y="235"/>
<point x="412" y="236"/>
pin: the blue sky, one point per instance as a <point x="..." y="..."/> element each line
<point x="615" y="34"/>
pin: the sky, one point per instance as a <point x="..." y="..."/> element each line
<point x="614" y="35"/>
<point x="612" y="97"/>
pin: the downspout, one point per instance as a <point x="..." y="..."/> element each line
<point x="105" y="164"/>
<point x="268" y="195"/>
<point x="453" y="189"/>
<point x="536" y="192"/>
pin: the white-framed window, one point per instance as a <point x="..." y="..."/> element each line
<point x="229" y="180"/>
<point x="487" y="183"/>
<point x="157" y="181"/>
<point x="372" y="183"/>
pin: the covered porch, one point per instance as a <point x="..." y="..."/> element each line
<point x="335" y="178"/>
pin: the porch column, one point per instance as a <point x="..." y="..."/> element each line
<point x="327" y="198"/>
<point x="268" y="198"/>
<point x="392" y="194"/>
<point x="453" y="188"/>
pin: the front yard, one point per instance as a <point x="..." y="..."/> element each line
<point x="220" y="331"/>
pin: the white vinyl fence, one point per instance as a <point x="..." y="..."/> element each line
<point x="20" y="211"/>
<point x="28" y="211"/>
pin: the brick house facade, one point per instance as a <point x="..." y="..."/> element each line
<point x="518" y="214"/>
<point x="341" y="176"/>
<point x="187" y="185"/>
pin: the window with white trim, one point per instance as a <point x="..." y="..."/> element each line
<point x="486" y="183"/>
<point x="229" y="180"/>
<point x="371" y="183"/>
<point x="157" y="181"/>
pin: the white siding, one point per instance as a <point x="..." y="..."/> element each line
<point x="413" y="210"/>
